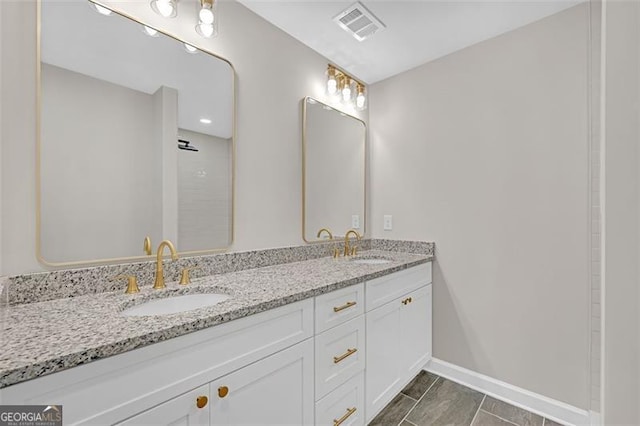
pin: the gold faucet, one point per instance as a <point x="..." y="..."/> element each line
<point x="159" y="284"/>
<point x="325" y="230"/>
<point x="347" y="248"/>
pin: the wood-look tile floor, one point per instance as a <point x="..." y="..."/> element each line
<point x="430" y="400"/>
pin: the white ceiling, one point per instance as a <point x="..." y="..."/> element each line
<point x="115" y="49"/>
<point x="417" y="31"/>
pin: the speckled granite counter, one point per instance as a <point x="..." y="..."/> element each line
<point x="42" y="338"/>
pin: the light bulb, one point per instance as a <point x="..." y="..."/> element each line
<point x="166" y="8"/>
<point x="346" y="93"/>
<point x="189" y="48"/>
<point x="102" y="10"/>
<point x="332" y="85"/>
<point x="150" y="31"/>
<point x="206" y="15"/>
<point x="205" y="30"/>
<point x="360" y="100"/>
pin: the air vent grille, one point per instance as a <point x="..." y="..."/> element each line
<point x="358" y="21"/>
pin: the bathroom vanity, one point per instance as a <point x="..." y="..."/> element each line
<point x="324" y="341"/>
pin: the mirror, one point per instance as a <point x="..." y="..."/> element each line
<point x="136" y="139"/>
<point x="333" y="150"/>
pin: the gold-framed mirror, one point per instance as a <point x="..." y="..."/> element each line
<point x="136" y="139"/>
<point x="333" y="171"/>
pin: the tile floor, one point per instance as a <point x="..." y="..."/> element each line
<point x="431" y="400"/>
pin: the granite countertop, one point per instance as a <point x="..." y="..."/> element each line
<point x="37" y="339"/>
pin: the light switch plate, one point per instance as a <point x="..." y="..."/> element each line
<point x="388" y="222"/>
<point x="355" y="221"/>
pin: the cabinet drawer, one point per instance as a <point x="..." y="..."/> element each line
<point x="339" y="306"/>
<point x="346" y="403"/>
<point x="339" y="355"/>
<point x="385" y="289"/>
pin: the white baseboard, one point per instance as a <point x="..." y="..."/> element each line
<point x="550" y="408"/>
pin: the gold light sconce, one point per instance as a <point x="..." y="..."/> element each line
<point x="341" y="84"/>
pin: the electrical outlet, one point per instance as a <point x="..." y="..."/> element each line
<point x="355" y="221"/>
<point x="388" y="222"/>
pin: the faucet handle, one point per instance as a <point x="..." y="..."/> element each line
<point x="336" y="253"/>
<point x="146" y="246"/>
<point x="185" y="278"/>
<point x="354" y="250"/>
<point x="132" y="283"/>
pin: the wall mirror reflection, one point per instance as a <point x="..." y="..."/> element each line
<point x="334" y="153"/>
<point x="136" y="139"/>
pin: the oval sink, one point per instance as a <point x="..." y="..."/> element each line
<point x="174" y="305"/>
<point x="371" y="261"/>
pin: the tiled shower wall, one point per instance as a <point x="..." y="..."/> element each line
<point x="596" y="225"/>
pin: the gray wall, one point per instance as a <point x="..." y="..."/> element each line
<point x="486" y="152"/>
<point x="621" y="214"/>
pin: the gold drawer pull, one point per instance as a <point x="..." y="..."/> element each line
<point x="223" y="391"/>
<point x="407" y="300"/>
<point x="348" y="353"/>
<point x="201" y="401"/>
<point x="350" y="411"/>
<point x="343" y="307"/>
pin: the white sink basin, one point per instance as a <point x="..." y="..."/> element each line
<point x="371" y="261"/>
<point x="173" y="305"/>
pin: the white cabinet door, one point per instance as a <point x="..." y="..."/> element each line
<point x="384" y="354"/>
<point x="398" y="346"/>
<point x="189" y="409"/>
<point x="277" y="390"/>
<point x="415" y="323"/>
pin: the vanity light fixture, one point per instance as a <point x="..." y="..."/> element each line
<point x="332" y="83"/>
<point x="339" y="83"/>
<point x="346" y="89"/>
<point x="151" y="32"/>
<point x="360" y="98"/>
<point x="206" y="19"/>
<point x="165" y="8"/>
<point x="101" y="9"/>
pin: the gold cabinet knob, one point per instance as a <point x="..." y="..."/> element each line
<point x="202" y="401"/>
<point x="223" y="391"/>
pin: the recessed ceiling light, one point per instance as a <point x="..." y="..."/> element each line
<point x="205" y="121"/>
<point x="151" y="32"/>
<point x="102" y="10"/>
<point x="189" y="48"/>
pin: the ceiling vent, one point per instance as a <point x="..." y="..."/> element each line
<point x="359" y="22"/>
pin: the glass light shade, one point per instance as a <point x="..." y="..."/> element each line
<point x="332" y="85"/>
<point x="206" y="15"/>
<point x="150" y="31"/>
<point x="206" y="30"/>
<point x="102" y="10"/>
<point x="346" y="93"/>
<point x="360" y="99"/>
<point x="166" y="8"/>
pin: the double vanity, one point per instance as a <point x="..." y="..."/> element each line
<point x="323" y="341"/>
